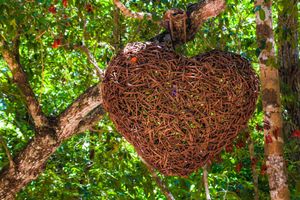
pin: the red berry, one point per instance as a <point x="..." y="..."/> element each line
<point x="56" y="43"/>
<point x="296" y="134"/>
<point x="52" y="9"/>
<point x="238" y="167"/>
<point x="133" y="60"/>
<point x="89" y="8"/>
<point x="65" y="3"/>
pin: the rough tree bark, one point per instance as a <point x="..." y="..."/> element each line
<point x="181" y="25"/>
<point x="50" y="132"/>
<point x="86" y="110"/>
<point x="271" y="102"/>
<point x="288" y="57"/>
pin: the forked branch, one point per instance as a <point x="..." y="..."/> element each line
<point x="12" y="59"/>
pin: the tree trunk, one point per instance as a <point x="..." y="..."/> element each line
<point x="271" y="102"/>
<point x="288" y="56"/>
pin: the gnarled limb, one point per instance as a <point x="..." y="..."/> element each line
<point x="78" y="117"/>
<point x="205" y="9"/>
<point x="186" y="23"/>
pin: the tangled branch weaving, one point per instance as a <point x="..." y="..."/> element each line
<point x="179" y="112"/>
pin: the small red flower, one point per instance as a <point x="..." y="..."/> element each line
<point x="296" y="134"/>
<point x="65" y="3"/>
<point x="268" y="139"/>
<point x="52" y="9"/>
<point x="89" y="8"/>
<point x="238" y="167"/>
<point x="56" y="43"/>
<point x="133" y="60"/>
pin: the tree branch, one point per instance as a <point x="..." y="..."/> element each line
<point x="253" y="168"/>
<point x="128" y="13"/>
<point x="81" y="110"/>
<point x="20" y="78"/>
<point x="31" y="161"/>
<point x="91" y="59"/>
<point x="9" y="157"/>
<point x="205" y="181"/>
<point x="182" y="26"/>
<point x="159" y="182"/>
<point x="91" y="119"/>
<point x="205" y="9"/>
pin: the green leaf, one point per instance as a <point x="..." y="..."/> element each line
<point x="262" y="14"/>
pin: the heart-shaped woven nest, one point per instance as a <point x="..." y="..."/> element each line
<point x="178" y="112"/>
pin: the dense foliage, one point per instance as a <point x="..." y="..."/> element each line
<point x="100" y="164"/>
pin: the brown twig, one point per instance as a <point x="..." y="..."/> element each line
<point x="159" y="182"/>
<point x="10" y="159"/>
<point x="128" y="13"/>
<point x="253" y="167"/>
<point x="91" y="59"/>
<point x="205" y="181"/>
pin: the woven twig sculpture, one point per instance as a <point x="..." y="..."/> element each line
<point x="178" y="112"/>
